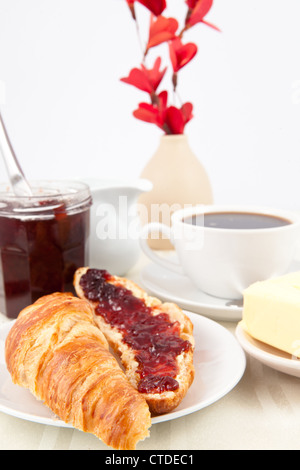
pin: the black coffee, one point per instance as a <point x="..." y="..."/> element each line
<point x="237" y="220"/>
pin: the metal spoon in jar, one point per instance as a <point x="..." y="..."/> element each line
<point x="17" y="178"/>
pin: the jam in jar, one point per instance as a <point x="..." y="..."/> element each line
<point x="43" y="240"/>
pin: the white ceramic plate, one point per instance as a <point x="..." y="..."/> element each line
<point x="219" y="364"/>
<point x="272" y="357"/>
<point x="172" y="287"/>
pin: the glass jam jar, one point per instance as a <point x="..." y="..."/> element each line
<point x="43" y="240"/>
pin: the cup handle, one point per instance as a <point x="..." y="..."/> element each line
<point x="164" y="230"/>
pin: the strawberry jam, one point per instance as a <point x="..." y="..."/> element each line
<point x="155" y="339"/>
<point x="43" y="240"/>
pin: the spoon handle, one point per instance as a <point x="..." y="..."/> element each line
<point x="15" y="172"/>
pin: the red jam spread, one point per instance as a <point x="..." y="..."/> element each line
<point x="155" y="339"/>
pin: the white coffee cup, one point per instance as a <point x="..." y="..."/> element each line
<point x="224" y="261"/>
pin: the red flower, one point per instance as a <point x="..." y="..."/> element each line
<point x="181" y="54"/>
<point x="130" y="3"/>
<point x="176" y="119"/>
<point x="149" y="113"/>
<point x="146" y="79"/>
<point x="161" y="30"/>
<point x="153" y="113"/>
<point x="171" y="119"/>
<point x="155" y="6"/>
<point x="190" y="3"/>
<point x="198" y="10"/>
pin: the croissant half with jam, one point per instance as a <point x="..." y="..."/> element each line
<point x="154" y="340"/>
<point x="56" y="351"/>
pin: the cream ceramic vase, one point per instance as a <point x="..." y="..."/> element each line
<point x="178" y="179"/>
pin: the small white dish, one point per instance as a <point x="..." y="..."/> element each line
<point x="272" y="357"/>
<point x="172" y="287"/>
<point x="219" y="364"/>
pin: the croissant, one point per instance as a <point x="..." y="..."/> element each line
<point x="55" y="350"/>
<point x="154" y="340"/>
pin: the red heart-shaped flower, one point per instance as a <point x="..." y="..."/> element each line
<point x="161" y="30"/>
<point x="181" y="54"/>
<point x="146" y="79"/>
<point x="200" y="10"/>
<point x="197" y="11"/>
<point x="155" y="6"/>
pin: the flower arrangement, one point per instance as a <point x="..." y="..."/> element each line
<point x="170" y="118"/>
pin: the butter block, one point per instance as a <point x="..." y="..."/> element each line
<point x="271" y="312"/>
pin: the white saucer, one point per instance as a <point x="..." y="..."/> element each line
<point x="272" y="357"/>
<point x="172" y="287"/>
<point x="219" y="362"/>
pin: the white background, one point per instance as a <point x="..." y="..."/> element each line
<point x="69" y="115"/>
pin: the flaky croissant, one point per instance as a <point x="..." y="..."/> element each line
<point x="55" y="350"/>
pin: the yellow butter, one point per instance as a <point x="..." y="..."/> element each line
<point x="271" y="312"/>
